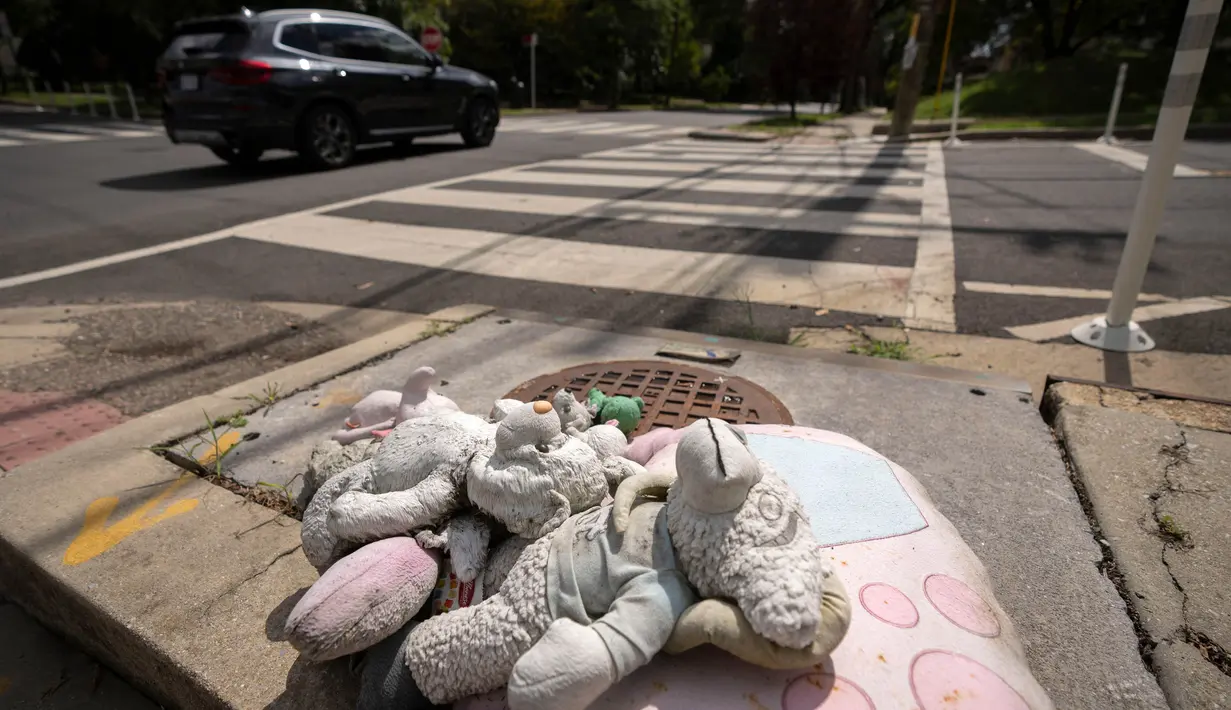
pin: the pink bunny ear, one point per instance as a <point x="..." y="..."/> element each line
<point x="612" y="422"/>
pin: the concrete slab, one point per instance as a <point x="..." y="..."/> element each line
<point x="33" y="424"/>
<point x="1162" y="501"/>
<point x="178" y="594"/>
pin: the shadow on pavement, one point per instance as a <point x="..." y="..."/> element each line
<point x="207" y="176"/>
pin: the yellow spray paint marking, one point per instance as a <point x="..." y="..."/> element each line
<point x="225" y="442"/>
<point x="96" y="537"/>
<point x="340" y="397"/>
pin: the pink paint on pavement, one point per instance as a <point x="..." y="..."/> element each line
<point x="889" y="604"/>
<point x="34" y="424"/>
<point x="943" y="680"/>
<point x="961" y="605"/>
<point x="824" y="691"/>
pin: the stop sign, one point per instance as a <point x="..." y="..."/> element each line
<point x="431" y="39"/>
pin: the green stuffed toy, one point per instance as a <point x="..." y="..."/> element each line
<point x="626" y="411"/>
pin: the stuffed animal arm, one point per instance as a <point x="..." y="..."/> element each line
<point x="465" y="538"/>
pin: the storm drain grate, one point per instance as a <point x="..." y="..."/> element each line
<point x="675" y="395"/>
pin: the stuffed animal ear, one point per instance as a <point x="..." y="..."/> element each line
<point x="722" y="624"/>
<point x="362" y="599"/>
<point x="640" y="404"/>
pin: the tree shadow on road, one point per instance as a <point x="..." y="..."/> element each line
<point x="208" y="176"/>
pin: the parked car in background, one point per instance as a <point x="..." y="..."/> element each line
<point x="319" y="82"/>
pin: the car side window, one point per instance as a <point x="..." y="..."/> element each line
<point x="301" y="36"/>
<point x="350" y="42"/>
<point x="367" y="43"/>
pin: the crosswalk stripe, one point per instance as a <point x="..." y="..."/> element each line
<point x="45" y="136"/>
<point x="774" y="170"/>
<point x="5" y="143"/>
<point x="841" y="160"/>
<point x="532" y="125"/>
<point x="865" y="224"/>
<point x="620" y="128"/>
<point x="670" y="131"/>
<point x="844" y="149"/>
<point x="856" y="288"/>
<point x="95" y="130"/>
<point x="570" y="128"/>
<point x="757" y="187"/>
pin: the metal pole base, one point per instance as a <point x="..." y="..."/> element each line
<point x="1107" y="140"/>
<point x="1122" y="339"/>
<point x="953" y="142"/>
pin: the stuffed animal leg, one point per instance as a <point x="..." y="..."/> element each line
<point x="321" y="545"/>
<point x="573" y="664"/>
<point x="473" y="649"/>
<point x="360" y="516"/>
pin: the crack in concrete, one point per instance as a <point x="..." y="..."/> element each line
<point x="209" y="607"/>
<point x="1175" y="538"/>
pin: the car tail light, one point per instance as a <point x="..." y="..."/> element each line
<point x="245" y="72"/>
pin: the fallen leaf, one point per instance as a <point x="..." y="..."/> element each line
<point x="365" y="286"/>
<point x="821" y="312"/>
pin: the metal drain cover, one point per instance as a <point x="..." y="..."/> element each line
<point x="675" y="395"/>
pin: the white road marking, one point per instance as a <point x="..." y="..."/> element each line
<point x="103" y="131"/>
<point x="1051" y="291"/>
<point x="120" y="258"/>
<point x="835" y="159"/>
<point x="569" y="127"/>
<point x="669" y="131"/>
<point x="5" y="143"/>
<point x="1039" y="332"/>
<point x="1133" y="159"/>
<point x="665" y="166"/>
<point x="909" y="193"/>
<point x="530" y="125"/>
<point x="619" y="129"/>
<point x="929" y="301"/>
<point x="43" y="136"/>
<point x="866" y="224"/>
<point x="856" y="288"/>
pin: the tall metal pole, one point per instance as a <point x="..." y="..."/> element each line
<point x="914" y="57"/>
<point x="534" y="85"/>
<point x="1117" y="331"/>
<point x="110" y="99"/>
<point x="1109" y="132"/>
<point x="944" y="59"/>
<point x="132" y="101"/>
<point x="89" y="96"/>
<point x="957" y="108"/>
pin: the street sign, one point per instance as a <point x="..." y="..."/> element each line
<point x="431" y="39"/>
<point x="530" y="40"/>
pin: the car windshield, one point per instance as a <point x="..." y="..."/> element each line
<point x="207" y="38"/>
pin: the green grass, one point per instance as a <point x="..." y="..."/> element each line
<point x="884" y="349"/>
<point x="785" y="125"/>
<point x="1076" y="92"/>
<point x="80" y="102"/>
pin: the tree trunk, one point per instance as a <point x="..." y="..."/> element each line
<point x="912" y="79"/>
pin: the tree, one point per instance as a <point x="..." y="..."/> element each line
<point x="804" y="45"/>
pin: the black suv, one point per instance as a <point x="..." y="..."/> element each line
<point x="319" y="82"/>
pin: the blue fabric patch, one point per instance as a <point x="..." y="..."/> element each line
<point x="849" y="495"/>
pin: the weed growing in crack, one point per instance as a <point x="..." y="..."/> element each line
<point x="884" y="349"/>
<point x="1172" y="532"/>
<point x="268" y="395"/>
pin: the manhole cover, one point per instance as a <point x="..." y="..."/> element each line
<point x="675" y="395"/>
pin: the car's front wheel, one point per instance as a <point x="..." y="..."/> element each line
<point x="244" y="155"/>
<point x="328" y="137"/>
<point x="479" y="126"/>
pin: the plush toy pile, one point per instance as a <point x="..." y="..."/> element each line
<point x="524" y="549"/>
<point x="536" y="559"/>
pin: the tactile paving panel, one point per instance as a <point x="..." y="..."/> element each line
<point x="33" y="424"/>
<point x="675" y="395"/>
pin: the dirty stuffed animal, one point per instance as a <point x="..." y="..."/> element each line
<point x="586" y="605"/>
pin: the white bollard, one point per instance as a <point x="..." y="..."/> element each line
<point x="68" y="96"/>
<point x="89" y="96"/>
<point x="33" y="96"/>
<point x="1117" y="331"/>
<point x="957" y="109"/>
<point x="1108" y="137"/>
<point x="110" y="100"/>
<point x="132" y="101"/>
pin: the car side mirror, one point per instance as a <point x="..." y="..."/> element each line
<point x="434" y="61"/>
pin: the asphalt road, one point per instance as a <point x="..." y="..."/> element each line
<point x="1042" y="217"/>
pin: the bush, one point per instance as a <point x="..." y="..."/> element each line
<point x="715" y="85"/>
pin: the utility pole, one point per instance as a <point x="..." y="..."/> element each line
<point x="913" y="60"/>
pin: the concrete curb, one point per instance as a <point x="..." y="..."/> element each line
<point x="732" y="136"/>
<point x="1209" y="131"/>
<point x="179" y="604"/>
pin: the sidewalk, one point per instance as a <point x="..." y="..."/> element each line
<point x="186" y="601"/>
<point x="1159" y="494"/>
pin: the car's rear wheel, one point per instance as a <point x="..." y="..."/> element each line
<point x="479" y="126"/>
<point x="328" y="137"/>
<point x="243" y="155"/>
